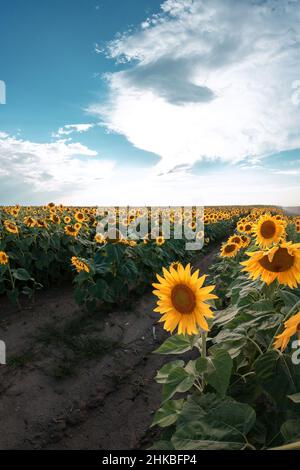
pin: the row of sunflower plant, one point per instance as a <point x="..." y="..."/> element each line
<point x="235" y="380"/>
<point x="44" y="246"/>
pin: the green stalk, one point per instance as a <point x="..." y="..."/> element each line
<point x="203" y="344"/>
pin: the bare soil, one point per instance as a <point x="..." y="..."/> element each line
<point x="79" y="381"/>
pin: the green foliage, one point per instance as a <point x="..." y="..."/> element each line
<point x="242" y="394"/>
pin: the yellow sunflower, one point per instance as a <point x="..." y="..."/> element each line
<point x="11" y="227"/>
<point x="29" y="221"/>
<point x="235" y="239"/>
<point x="3" y="258"/>
<point x="182" y="300"/>
<point x="79" y="265"/>
<point x="280" y="262"/>
<point x="159" y="240"/>
<point x="268" y="230"/>
<point x="291" y="327"/>
<point x="55" y="219"/>
<point x="229" y="250"/>
<point x="79" y="216"/>
<point x="99" y="238"/>
<point x="245" y="240"/>
<point x="71" y="231"/>
<point x="175" y="265"/>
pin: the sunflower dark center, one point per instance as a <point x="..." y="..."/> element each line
<point x="230" y="248"/>
<point x="183" y="298"/>
<point x="268" y="229"/>
<point x="281" y="262"/>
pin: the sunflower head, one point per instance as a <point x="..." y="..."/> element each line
<point x="237" y="239"/>
<point x="229" y="250"/>
<point x="175" y="265"/>
<point x="79" y="265"/>
<point x="281" y="262"/>
<point x="11" y="227"/>
<point x="3" y="258"/>
<point x="71" y="231"/>
<point x="79" y="216"/>
<point x="159" y="240"/>
<point x="182" y="300"/>
<point x="269" y="230"/>
<point x="99" y="238"/>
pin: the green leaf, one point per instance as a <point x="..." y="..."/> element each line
<point x="265" y="366"/>
<point x="295" y="397"/>
<point x="224" y="316"/>
<point x="219" y="371"/>
<point x="21" y="274"/>
<point x="13" y="296"/>
<point x="162" y="445"/>
<point x="179" y="381"/>
<point x="168" y="413"/>
<point x="163" y="374"/>
<point x="290" y="430"/>
<point x="207" y="422"/>
<point x="177" y="344"/>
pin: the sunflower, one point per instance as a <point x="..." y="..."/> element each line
<point x="248" y="227"/>
<point x="3" y="258"/>
<point x="182" y="300"/>
<point x="291" y="327"/>
<point x="280" y="262"/>
<point x="245" y="240"/>
<point x="175" y="265"/>
<point x="79" y="265"/>
<point x="159" y="240"/>
<point x="79" y="216"/>
<point x="55" y="219"/>
<point x="99" y="238"/>
<point x="67" y="219"/>
<point x="71" y="231"/>
<point x="229" y="250"/>
<point x="235" y="239"/>
<point x="11" y="227"/>
<point x="41" y="223"/>
<point x="268" y="230"/>
<point x="29" y="221"/>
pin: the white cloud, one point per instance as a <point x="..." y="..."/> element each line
<point x="208" y="79"/>
<point x="287" y="172"/>
<point x="70" y="128"/>
<point x="34" y="170"/>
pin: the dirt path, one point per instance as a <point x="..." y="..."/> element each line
<point x="76" y="381"/>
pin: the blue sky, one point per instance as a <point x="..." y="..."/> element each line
<point x="150" y="102"/>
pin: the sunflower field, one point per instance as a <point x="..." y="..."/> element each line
<point x="233" y="377"/>
<point x="44" y="246"/>
<point x="235" y="380"/>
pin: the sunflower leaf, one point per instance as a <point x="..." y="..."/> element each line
<point x="177" y="344"/>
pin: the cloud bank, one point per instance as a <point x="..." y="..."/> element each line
<point x="208" y="80"/>
<point x="30" y="171"/>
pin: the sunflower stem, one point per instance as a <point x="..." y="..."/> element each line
<point x="203" y="344"/>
